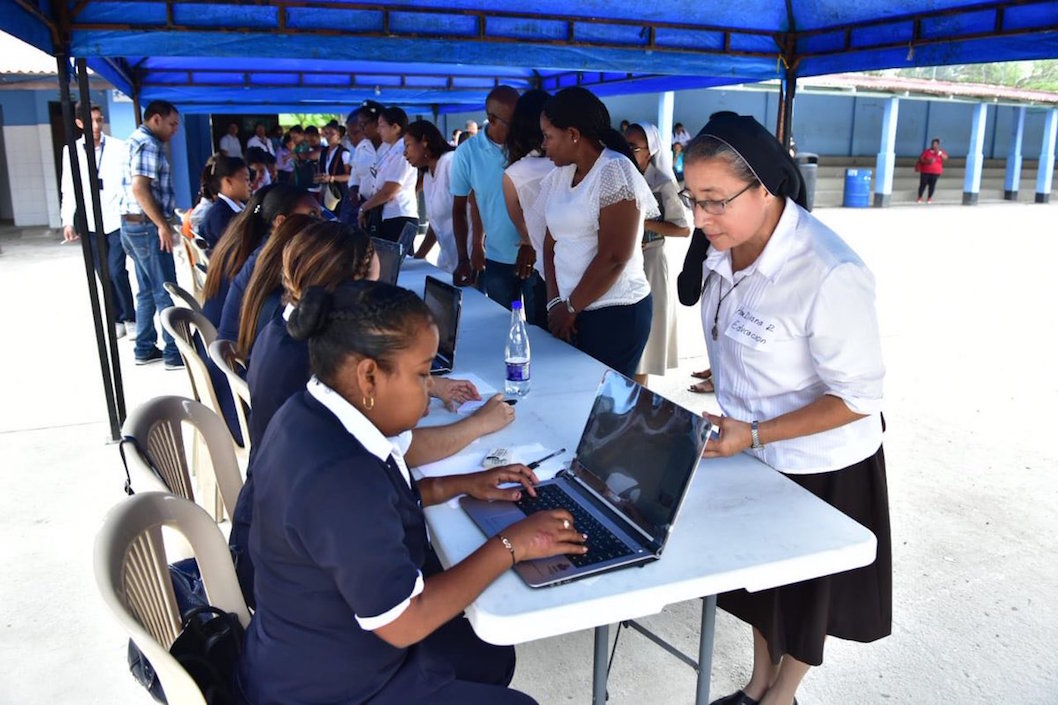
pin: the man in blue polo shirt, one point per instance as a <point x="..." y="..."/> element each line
<point x="478" y="166"/>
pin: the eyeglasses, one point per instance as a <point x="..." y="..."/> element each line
<point x="711" y="207"/>
<point x="494" y="118"/>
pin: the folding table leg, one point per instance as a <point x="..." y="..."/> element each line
<point x="705" y="649"/>
<point x="598" y="682"/>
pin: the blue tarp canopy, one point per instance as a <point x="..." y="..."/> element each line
<point x="327" y="54"/>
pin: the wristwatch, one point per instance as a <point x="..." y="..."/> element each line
<point x="754" y="429"/>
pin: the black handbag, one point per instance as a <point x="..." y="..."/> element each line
<point x="209" y="644"/>
<point x="209" y="648"/>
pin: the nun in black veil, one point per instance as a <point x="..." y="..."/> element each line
<point x="791" y="331"/>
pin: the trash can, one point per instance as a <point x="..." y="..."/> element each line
<point x="808" y="164"/>
<point x="857" y="188"/>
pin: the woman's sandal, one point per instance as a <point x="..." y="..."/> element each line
<point x="705" y="386"/>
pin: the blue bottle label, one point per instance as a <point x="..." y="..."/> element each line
<point x="518" y="372"/>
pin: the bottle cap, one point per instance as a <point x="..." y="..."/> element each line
<point x="516" y="305"/>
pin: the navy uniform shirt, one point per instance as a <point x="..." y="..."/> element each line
<point x="338" y="541"/>
<point x="217" y="218"/>
<point x="279" y="369"/>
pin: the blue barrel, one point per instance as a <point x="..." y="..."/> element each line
<point x="857" y="188"/>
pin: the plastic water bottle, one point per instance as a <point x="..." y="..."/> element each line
<point x="516" y="354"/>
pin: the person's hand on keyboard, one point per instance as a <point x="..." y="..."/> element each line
<point x="545" y="534"/>
<point x="486" y="485"/>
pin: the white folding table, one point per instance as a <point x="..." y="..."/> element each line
<point x="743" y="525"/>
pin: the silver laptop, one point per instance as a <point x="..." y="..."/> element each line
<point x="446" y="304"/>
<point x="390" y="258"/>
<point x="625" y="486"/>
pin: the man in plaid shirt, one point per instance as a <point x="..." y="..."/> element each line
<point x="147" y="207"/>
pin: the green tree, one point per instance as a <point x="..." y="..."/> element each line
<point x="288" y="120"/>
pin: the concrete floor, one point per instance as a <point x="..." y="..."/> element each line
<point x="966" y="299"/>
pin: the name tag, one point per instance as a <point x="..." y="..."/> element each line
<point x="747" y="328"/>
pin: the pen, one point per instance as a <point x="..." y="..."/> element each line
<point x="536" y="463"/>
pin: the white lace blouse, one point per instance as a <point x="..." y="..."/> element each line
<point x="572" y="217"/>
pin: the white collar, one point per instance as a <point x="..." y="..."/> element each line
<point x="361" y="428"/>
<point x="235" y="205"/>
<point x="771" y="260"/>
<point x="288" y="311"/>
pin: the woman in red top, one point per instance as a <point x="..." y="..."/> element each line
<point x="929" y="167"/>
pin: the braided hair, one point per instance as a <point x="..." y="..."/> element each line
<point x="325" y="254"/>
<point x="372" y="319"/>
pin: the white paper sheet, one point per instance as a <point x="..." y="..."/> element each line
<point x="485" y="389"/>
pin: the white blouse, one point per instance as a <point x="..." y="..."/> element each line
<point x="363" y="162"/>
<point x="393" y="167"/>
<point x="797" y="324"/>
<point x="572" y="217"/>
<point x="527" y="174"/>
<point x="438" y="201"/>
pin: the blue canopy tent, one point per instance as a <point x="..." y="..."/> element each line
<point x="324" y="55"/>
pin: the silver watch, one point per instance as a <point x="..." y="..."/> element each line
<point x="754" y="429"/>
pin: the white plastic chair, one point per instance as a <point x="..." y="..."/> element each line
<point x="182" y="324"/>
<point x="158" y="460"/>
<point x="223" y="354"/>
<point x="182" y="297"/>
<point x="132" y="575"/>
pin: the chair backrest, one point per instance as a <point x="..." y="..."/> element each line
<point x="159" y="458"/>
<point x="197" y="261"/>
<point x="182" y="324"/>
<point x="132" y="575"/>
<point x="223" y="354"/>
<point x="407" y="238"/>
<point x="182" y="297"/>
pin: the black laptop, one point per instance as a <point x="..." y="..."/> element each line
<point x="624" y="488"/>
<point x="390" y="258"/>
<point x="445" y="303"/>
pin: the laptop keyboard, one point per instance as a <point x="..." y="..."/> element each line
<point x="602" y="543"/>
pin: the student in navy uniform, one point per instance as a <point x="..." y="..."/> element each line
<point x="277" y="203"/>
<point x="329" y="255"/>
<point x="226" y="182"/>
<point x="359" y="619"/>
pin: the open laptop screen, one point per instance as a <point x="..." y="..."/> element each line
<point x="639" y="451"/>
<point x="443" y="301"/>
<point x="389" y="259"/>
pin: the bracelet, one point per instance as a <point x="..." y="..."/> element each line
<point x="553" y="302"/>
<point x="508" y="545"/>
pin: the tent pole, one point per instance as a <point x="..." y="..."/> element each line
<point x="81" y="224"/>
<point x="136" y="105"/>
<point x="102" y="246"/>
<point x="787" y="89"/>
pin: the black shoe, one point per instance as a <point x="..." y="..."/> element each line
<point x="154" y="355"/>
<point x="174" y="364"/>
<point x="736" y="698"/>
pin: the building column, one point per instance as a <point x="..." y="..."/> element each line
<point x="1013" y="178"/>
<point x="886" y="163"/>
<point x="181" y="174"/>
<point x="971" y="189"/>
<point x="666" y="103"/>
<point x="1045" y="172"/>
